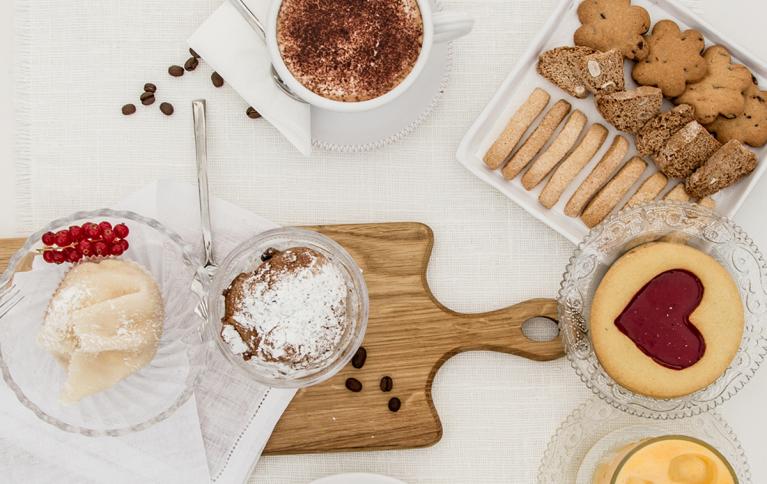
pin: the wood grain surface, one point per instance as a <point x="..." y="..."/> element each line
<point x="409" y="336"/>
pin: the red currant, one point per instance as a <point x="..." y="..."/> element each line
<point x="85" y="247"/>
<point x="105" y="225"/>
<point x="121" y="230"/>
<point x="101" y="249"/>
<point x="49" y="238"/>
<point x="91" y="230"/>
<point x="76" y="232"/>
<point x="72" y="255"/>
<point x="58" y="257"/>
<point x="63" y="238"/>
<point x="117" y="249"/>
<point x="125" y="244"/>
<point x="48" y="256"/>
<point x="108" y="235"/>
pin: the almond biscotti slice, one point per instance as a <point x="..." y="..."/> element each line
<point x="686" y="150"/>
<point x="729" y="164"/>
<point x="630" y="110"/>
<point x="560" y="66"/>
<point x="656" y="133"/>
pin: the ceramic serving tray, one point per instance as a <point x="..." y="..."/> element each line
<point x="558" y="32"/>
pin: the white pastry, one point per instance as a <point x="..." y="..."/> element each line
<point x="103" y="323"/>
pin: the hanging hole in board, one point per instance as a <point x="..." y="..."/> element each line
<point x="540" y="329"/>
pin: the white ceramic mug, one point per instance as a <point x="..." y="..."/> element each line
<point x="438" y="27"/>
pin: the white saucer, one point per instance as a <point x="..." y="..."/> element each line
<point x="357" y="478"/>
<point x="371" y="130"/>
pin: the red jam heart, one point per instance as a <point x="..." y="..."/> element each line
<point x="657" y="319"/>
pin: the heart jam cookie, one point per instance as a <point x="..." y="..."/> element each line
<point x="666" y="320"/>
<point x="613" y="24"/>
<point x="674" y="59"/>
<point x="657" y="320"/>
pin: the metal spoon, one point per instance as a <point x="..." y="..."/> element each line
<point x="201" y="151"/>
<point x="246" y="13"/>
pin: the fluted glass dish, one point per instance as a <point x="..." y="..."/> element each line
<point x="683" y="223"/>
<point x="246" y="257"/>
<point x="142" y="399"/>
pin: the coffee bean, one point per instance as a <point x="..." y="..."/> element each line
<point x="269" y="253"/>
<point x="395" y="404"/>
<point x="252" y="113"/>
<point x="353" y="385"/>
<point x="166" y="108"/>
<point x="216" y="79"/>
<point x="194" y="54"/>
<point x="191" y="64"/>
<point x="176" y="71"/>
<point x="387" y="384"/>
<point x="149" y="87"/>
<point x="129" y="109"/>
<point x="358" y="360"/>
<point x="147" y="98"/>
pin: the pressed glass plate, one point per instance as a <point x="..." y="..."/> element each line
<point x="683" y="223"/>
<point x="142" y="399"/>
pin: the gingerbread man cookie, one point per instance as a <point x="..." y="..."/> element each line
<point x="721" y="91"/>
<point x="613" y="24"/>
<point x="674" y="59"/>
<point x="751" y="126"/>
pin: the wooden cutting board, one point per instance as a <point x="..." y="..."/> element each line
<point x="409" y="336"/>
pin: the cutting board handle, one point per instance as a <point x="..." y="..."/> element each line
<point x="501" y="331"/>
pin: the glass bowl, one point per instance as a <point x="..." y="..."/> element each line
<point x="245" y="258"/>
<point x="683" y="223"/>
<point x="147" y="396"/>
<point x="596" y="429"/>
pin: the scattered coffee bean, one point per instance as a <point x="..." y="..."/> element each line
<point x="129" y="109"/>
<point x="358" y="360"/>
<point x="387" y="384"/>
<point x="354" y="385"/>
<point x="176" y="71"/>
<point x="147" y="98"/>
<point x="149" y="87"/>
<point x="269" y="253"/>
<point x="216" y="79"/>
<point x="194" y="54"/>
<point x="395" y="404"/>
<point x="166" y="108"/>
<point x="191" y="64"/>
<point x="252" y="113"/>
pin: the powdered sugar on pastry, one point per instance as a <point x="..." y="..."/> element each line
<point x="289" y="313"/>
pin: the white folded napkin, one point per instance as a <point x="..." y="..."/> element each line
<point x="215" y="437"/>
<point x="230" y="45"/>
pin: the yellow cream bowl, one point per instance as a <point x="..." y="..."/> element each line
<point x="671" y="459"/>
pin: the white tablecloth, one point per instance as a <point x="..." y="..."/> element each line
<point x="80" y="61"/>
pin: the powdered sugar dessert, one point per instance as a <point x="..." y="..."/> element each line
<point x="290" y="313"/>
<point x="103" y="323"/>
<point x="347" y="50"/>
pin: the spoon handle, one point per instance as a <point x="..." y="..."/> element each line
<point x="201" y="151"/>
<point x="248" y="15"/>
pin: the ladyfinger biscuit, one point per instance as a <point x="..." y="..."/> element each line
<point x="518" y="124"/>
<point x="598" y="177"/>
<point x="561" y="145"/>
<point x="573" y="164"/>
<point x="678" y="194"/>
<point x="537" y="140"/>
<point x="609" y="197"/>
<point x="648" y="190"/>
<point x="707" y="202"/>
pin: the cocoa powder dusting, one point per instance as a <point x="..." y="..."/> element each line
<point x="350" y="50"/>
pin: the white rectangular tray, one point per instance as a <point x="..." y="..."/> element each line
<point x="558" y="32"/>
